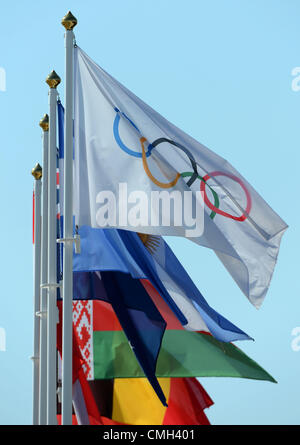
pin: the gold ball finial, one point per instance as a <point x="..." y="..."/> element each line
<point x="69" y="21"/>
<point x="53" y="80"/>
<point x="37" y="171"/>
<point x="44" y="122"/>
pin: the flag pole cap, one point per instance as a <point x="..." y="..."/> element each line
<point x="44" y="122"/>
<point x="69" y="21"/>
<point x="37" y="171"/>
<point x="53" y="80"/>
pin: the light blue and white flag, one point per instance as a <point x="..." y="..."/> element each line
<point x="136" y="171"/>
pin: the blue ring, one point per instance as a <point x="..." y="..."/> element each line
<point x="120" y="142"/>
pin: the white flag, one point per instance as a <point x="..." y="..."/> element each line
<point x="136" y="171"/>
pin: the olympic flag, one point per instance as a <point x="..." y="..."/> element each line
<point x="127" y="157"/>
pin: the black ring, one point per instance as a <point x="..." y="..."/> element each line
<point x="191" y="158"/>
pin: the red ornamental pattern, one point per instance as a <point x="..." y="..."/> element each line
<point x="83" y="324"/>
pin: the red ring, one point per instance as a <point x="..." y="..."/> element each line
<point x="221" y="212"/>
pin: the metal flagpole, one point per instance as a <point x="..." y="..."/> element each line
<point x="69" y="22"/>
<point x="37" y="174"/>
<point x="44" y="124"/>
<point x="53" y="81"/>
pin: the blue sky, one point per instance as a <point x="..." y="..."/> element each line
<point x="221" y="71"/>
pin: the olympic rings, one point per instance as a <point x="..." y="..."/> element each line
<point x="215" y="195"/>
<point x="193" y="175"/>
<point x="217" y="210"/>
<point x="150" y="146"/>
<point x="149" y="174"/>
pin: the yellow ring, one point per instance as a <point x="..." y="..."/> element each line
<point x="149" y="174"/>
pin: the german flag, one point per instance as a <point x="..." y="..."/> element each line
<point x="133" y="402"/>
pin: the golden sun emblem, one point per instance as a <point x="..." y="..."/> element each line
<point x="151" y="242"/>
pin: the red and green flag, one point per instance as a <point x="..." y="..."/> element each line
<point x="132" y="401"/>
<point x="108" y="355"/>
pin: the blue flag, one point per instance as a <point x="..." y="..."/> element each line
<point x="124" y="251"/>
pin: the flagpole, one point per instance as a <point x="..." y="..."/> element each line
<point x="37" y="174"/>
<point x="44" y="124"/>
<point x="53" y="81"/>
<point x="69" y="22"/>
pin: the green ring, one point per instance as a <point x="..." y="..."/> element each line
<point x="215" y="195"/>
